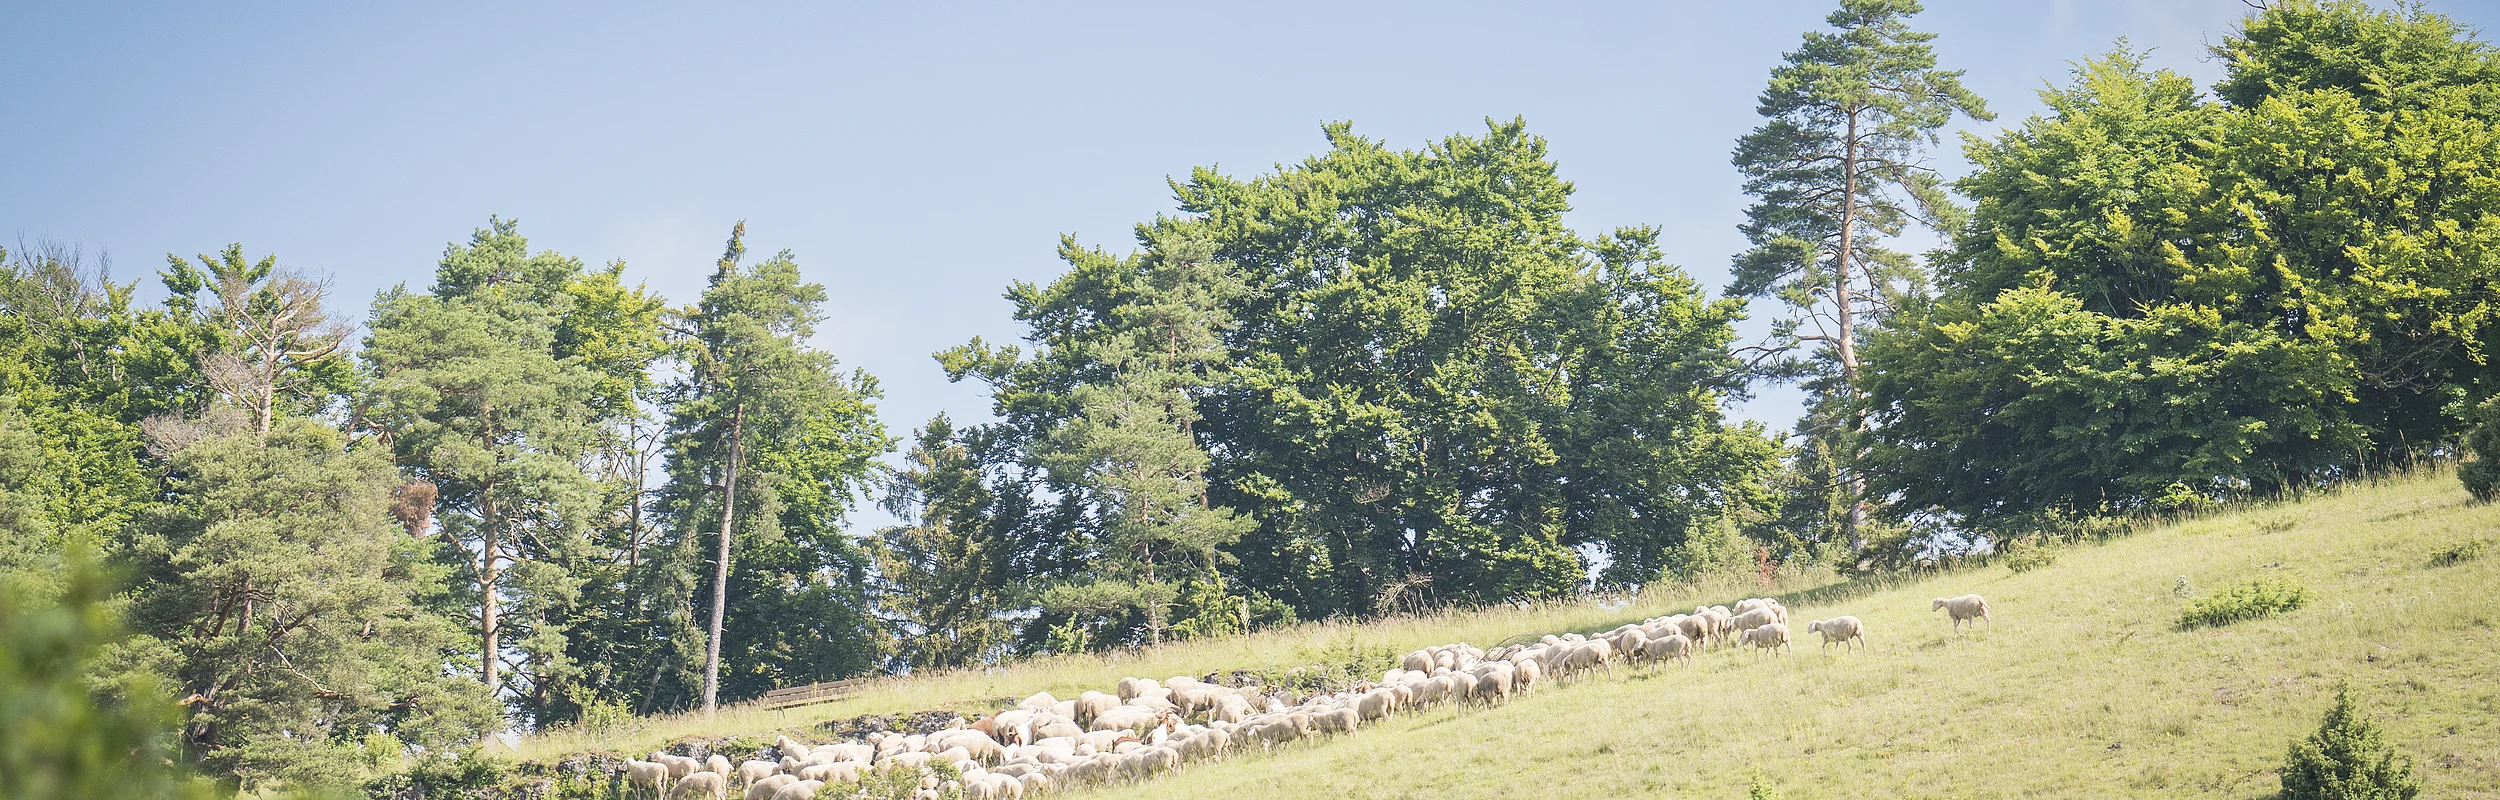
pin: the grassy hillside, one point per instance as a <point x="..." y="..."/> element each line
<point x="974" y="691"/>
<point x="2085" y="688"/>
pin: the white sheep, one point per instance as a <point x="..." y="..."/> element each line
<point x="770" y="787"/>
<point x="649" y="776"/>
<point x="1418" y="661"/>
<point x="802" y="790"/>
<point x="1377" y="703"/>
<point x="1672" y="647"/>
<point x="678" y="766"/>
<point x="1845" y="630"/>
<point x="751" y="771"/>
<point x="1752" y="619"/>
<point x="1773" y="636"/>
<point x="1965" y="607"/>
<point x="700" y="784"/>
<point x="1526" y="674"/>
<point x="1091" y="704"/>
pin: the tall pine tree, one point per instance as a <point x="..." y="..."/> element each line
<point x="1837" y="168"/>
<point x="769" y="445"/>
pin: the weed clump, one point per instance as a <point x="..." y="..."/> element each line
<point x="2347" y="759"/>
<point x="2258" y="598"/>
<point x="2460" y="553"/>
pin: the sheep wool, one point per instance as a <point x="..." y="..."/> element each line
<point x="1844" y="629"/>
<point x="1966" y="608"/>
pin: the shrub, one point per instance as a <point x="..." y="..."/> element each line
<point x="1761" y="788"/>
<point x="2347" y="759"/>
<point x="2025" y="556"/>
<point x="2459" y="553"/>
<point x="2481" y="470"/>
<point x="2258" y="598"/>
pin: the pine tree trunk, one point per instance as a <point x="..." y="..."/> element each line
<point x="490" y="547"/>
<point x="489" y="611"/>
<point x="1844" y="303"/>
<point x="720" y="561"/>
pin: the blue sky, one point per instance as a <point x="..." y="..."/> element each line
<point x="915" y="156"/>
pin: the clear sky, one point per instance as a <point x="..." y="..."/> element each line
<point x="915" y="156"/>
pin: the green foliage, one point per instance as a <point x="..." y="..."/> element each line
<point x="2025" y="555"/>
<point x="58" y="737"/>
<point x="2347" y="759"/>
<point x="769" y="445"/>
<point x="1761" y="788"/>
<point x="275" y="350"/>
<point x="2480" y="471"/>
<point x="2384" y="56"/>
<point x="284" y="604"/>
<point x="1838" y="166"/>
<point x="468" y="388"/>
<point x="2460" y="552"/>
<point x="1432" y="391"/>
<point x="469" y="774"/>
<point x="944" y="580"/>
<point x="1132" y="444"/>
<point x="1333" y="666"/>
<point x="2258" y="598"/>
<point x="2163" y="301"/>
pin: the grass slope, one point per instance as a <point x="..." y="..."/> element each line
<point x="976" y="691"/>
<point x="2087" y="687"/>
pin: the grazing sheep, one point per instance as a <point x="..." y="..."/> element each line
<point x="1275" y="732"/>
<point x="1038" y="702"/>
<point x="1753" y="619"/>
<point x="1091" y="704"/>
<point x="1695" y="627"/>
<point x="1462" y="687"/>
<point x="1493" y="681"/>
<point x="802" y="790"/>
<point x="838" y="771"/>
<point x="1526" y="674"/>
<point x="1418" y="661"/>
<point x="1589" y="655"/>
<point x="1057" y="728"/>
<point x="650" y="776"/>
<point x="751" y="771"/>
<point x="1629" y="642"/>
<point x="1845" y="630"/>
<point x="1673" y="647"/>
<point x="1377" y="704"/>
<point x="719" y="765"/>
<point x="678" y="766"/>
<point x="1341" y="720"/>
<point x="1130" y="688"/>
<point x="700" y="784"/>
<point x="770" y="787"/>
<point x="1773" y="636"/>
<point x="1966" y="607"/>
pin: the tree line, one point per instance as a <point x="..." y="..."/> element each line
<point x="531" y="494"/>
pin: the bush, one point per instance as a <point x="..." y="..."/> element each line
<point x="2347" y="759"/>
<point x="2028" y="555"/>
<point x="2258" y="598"/>
<point x="2459" y="553"/>
<point x="59" y="737"/>
<point x="2481" y="470"/>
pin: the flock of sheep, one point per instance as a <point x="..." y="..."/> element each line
<point x="1144" y="729"/>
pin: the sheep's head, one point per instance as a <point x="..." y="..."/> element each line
<point x="1939" y="604"/>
